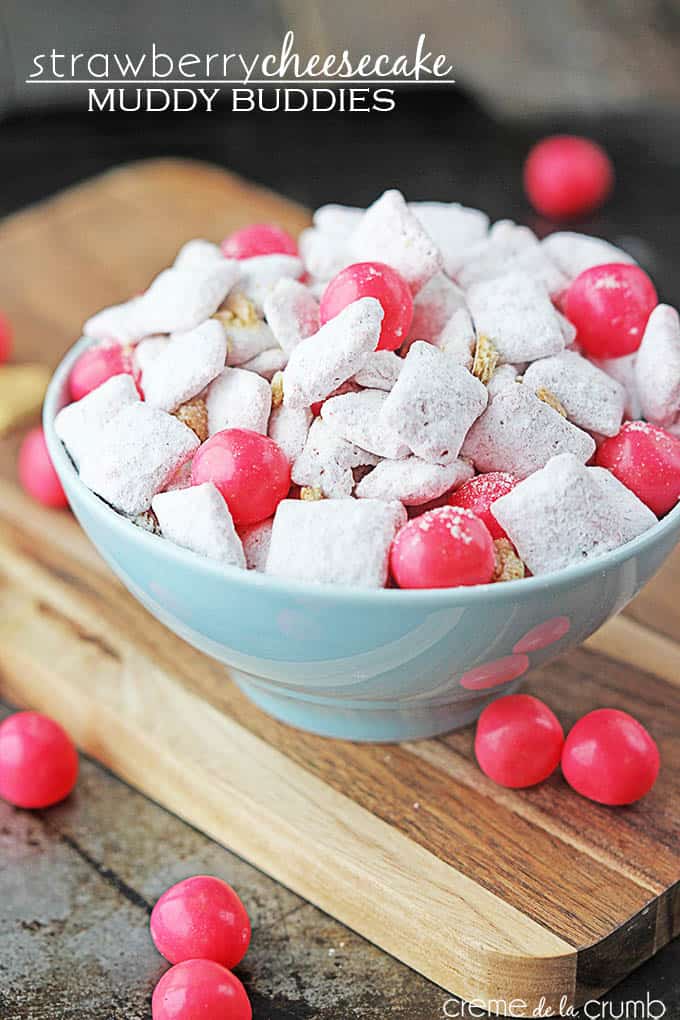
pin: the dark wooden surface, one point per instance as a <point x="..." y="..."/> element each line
<point x="300" y="992"/>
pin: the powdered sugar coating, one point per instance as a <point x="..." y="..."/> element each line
<point x="412" y="481"/>
<point x="185" y="365"/>
<point x="324" y="254"/>
<point x="292" y="313"/>
<point x="198" y="518"/>
<point x="332" y="541"/>
<point x="433" y="404"/>
<point x="238" y="399"/>
<point x="197" y="253"/>
<point x="322" y="362"/>
<point x="564" y="514"/>
<point x="574" y="252"/>
<point x="623" y="370"/>
<point x="246" y="340"/>
<point x="657" y="367"/>
<point x="327" y="462"/>
<point x="178" y="300"/>
<point x="458" y="338"/>
<point x="515" y="312"/>
<point x="380" y="370"/>
<point x="632" y="515"/>
<point x="454" y="228"/>
<point x="591" y="398"/>
<point x="256" y="540"/>
<point x="389" y="232"/>
<point x="267" y="363"/>
<point x="509" y="247"/>
<point x="136" y="454"/>
<point x="77" y="424"/>
<point x="503" y="377"/>
<point x="520" y="433"/>
<point x="356" y="418"/>
<point x="289" y="428"/>
<point x="433" y="307"/>
<point x="261" y="273"/>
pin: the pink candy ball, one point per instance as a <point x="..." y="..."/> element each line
<point x="610" y="757"/>
<point x="519" y="741"/>
<point x="36" y="472"/>
<point x="376" y="280"/>
<point x="258" y="239"/>
<point x="566" y="176"/>
<point x="443" y="548"/>
<point x="479" y="493"/>
<point x="96" y="365"/>
<point x="38" y="761"/>
<point x="201" y="917"/>
<point x="646" y="459"/>
<point x="610" y="305"/>
<point x="200" y="990"/>
<point x="250" y="470"/>
<point x="5" y="338"/>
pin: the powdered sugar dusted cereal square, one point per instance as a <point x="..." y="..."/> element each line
<point x="433" y="404"/>
<point x="256" y="539"/>
<point x="380" y="370"/>
<point x="434" y="306"/>
<point x="185" y="365"/>
<point x="238" y="399"/>
<point x="412" y="481"/>
<point x="78" y="424"/>
<point x="389" y="232"/>
<point x="454" y="228"/>
<point x="197" y="518"/>
<point x="657" y="367"/>
<point x="136" y="454"/>
<point x="574" y="253"/>
<point x="356" y="418"/>
<point x="261" y="273"/>
<point x="332" y="541"/>
<point x="289" y="428"/>
<point x="292" y="313"/>
<point x="592" y="399"/>
<point x="516" y="314"/>
<point x="520" y="433"/>
<point x="327" y="462"/>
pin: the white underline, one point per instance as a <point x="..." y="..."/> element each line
<point x="245" y="84"/>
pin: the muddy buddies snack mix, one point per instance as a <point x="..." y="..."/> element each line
<point x="279" y="406"/>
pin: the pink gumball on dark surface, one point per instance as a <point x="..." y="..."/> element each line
<point x="610" y="758"/>
<point x="200" y="990"/>
<point x="376" y="280"/>
<point x="258" y="239"/>
<point x="567" y="176"/>
<point x="250" y="470"/>
<point x="38" y="761"/>
<point x="610" y="306"/>
<point x="36" y="471"/>
<point x="201" y="917"/>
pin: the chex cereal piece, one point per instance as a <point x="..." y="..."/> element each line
<point x="454" y="228"/>
<point x="549" y="398"/>
<point x="322" y="362"/>
<point x="509" y="247"/>
<point x="292" y="313"/>
<point x="324" y="254"/>
<point x="77" y="424"/>
<point x="311" y="492"/>
<point x="623" y="370"/>
<point x="458" y="338"/>
<point x="657" y="367"/>
<point x="185" y="366"/>
<point x="260" y="274"/>
<point x="256" y="539"/>
<point x="238" y="399"/>
<point x="591" y="399"/>
<point x="356" y="418"/>
<point x="562" y="514"/>
<point x="148" y="351"/>
<point x="433" y="307"/>
<point x="198" y="518"/>
<point x="568" y="330"/>
<point x="412" y="481"/>
<point x="633" y="516"/>
<point x="574" y="252"/>
<point x="289" y="428"/>
<point x="327" y="462"/>
<point x="433" y="404"/>
<point x="334" y="541"/>
<point x="485" y="359"/>
<point x="137" y="452"/>
<point x="194" y="414"/>
<point x="380" y="370"/>
<point x="516" y="314"/>
<point x="267" y="363"/>
<point x="389" y="232"/>
<point x="503" y="376"/>
<point x="198" y="252"/>
<point x="520" y="433"/>
<point x="339" y="220"/>
<point x="247" y="334"/>
<point x="509" y="566"/>
<point x="178" y="300"/>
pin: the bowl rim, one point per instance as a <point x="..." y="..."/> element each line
<point x="425" y="598"/>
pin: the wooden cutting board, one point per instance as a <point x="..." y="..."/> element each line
<point x="494" y="894"/>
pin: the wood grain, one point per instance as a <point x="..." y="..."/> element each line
<point x="492" y="893"/>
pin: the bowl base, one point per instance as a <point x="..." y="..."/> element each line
<point x="385" y="723"/>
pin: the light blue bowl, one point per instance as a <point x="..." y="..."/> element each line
<point x="357" y="663"/>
